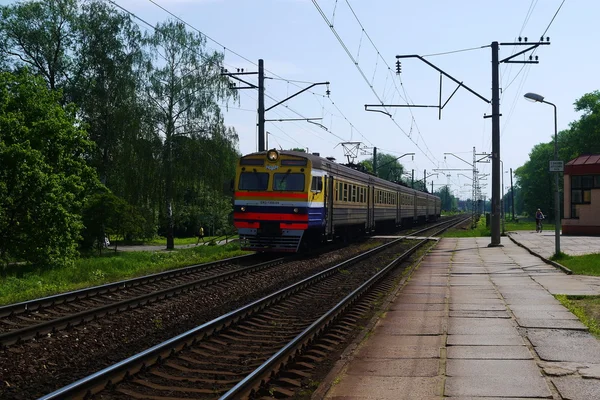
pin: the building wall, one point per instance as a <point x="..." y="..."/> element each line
<point x="588" y="222"/>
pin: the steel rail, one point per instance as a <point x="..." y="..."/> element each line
<point x="285" y="356"/>
<point x="91" y="314"/>
<point x="96" y="382"/>
<point x="62" y="298"/>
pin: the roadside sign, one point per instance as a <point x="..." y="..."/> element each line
<point x="557" y="166"/>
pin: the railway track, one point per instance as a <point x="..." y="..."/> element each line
<point x="264" y="348"/>
<point x="39" y="317"/>
<point x="35" y="318"/>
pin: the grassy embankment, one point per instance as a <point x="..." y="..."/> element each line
<point x="108" y="267"/>
<point x="586" y="308"/>
<point x="482" y="230"/>
<point x="162" y="241"/>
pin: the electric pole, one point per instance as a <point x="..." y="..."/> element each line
<point x="261" y="105"/>
<point x="261" y="98"/>
<point x="512" y="195"/>
<point x="495" y="206"/>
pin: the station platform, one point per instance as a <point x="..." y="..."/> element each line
<point x="475" y="322"/>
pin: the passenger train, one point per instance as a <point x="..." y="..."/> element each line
<point x="283" y="199"/>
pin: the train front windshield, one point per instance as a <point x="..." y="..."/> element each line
<point x="288" y="182"/>
<point x="254" y="181"/>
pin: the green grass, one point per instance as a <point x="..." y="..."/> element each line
<point x="586" y="308"/>
<point x="466" y="231"/>
<point x="482" y="230"/>
<point x="108" y="267"/>
<point x="162" y="241"/>
<point x="519" y="226"/>
<point x="588" y="264"/>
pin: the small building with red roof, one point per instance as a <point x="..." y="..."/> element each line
<point x="582" y="196"/>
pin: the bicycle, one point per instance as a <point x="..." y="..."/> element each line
<point x="538" y="226"/>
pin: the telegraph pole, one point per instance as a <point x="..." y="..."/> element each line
<point x="512" y="196"/>
<point x="375" y="161"/>
<point x="495" y="206"/>
<point x="261" y="98"/>
<point x="495" y="220"/>
<point x="261" y="105"/>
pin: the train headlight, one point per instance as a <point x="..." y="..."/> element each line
<point x="243" y="208"/>
<point x="295" y="210"/>
<point x="272" y="155"/>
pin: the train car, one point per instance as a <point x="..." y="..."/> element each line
<point x="283" y="199"/>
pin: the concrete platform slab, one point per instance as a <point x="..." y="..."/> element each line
<point x="477" y="307"/>
<point x="403" y="340"/>
<point x="462" y="325"/>
<point x="552" y="323"/>
<point x="417" y="306"/>
<point x="565" y="345"/>
<point x="422" y="298"/>
<point x="544" y="314"/>
<point x="387" y="388"/>
<point x="574" y="388"/>
<point x="487" y="386"/>
<point x="538" y="307"/>
<point x="485" y="340"/>
<point x="504" y="368"/>
<point x="480" y="326"/>
<point x="479" y="314"/>
<point x="402" y="314"/>
<point x="395" y="367"/>
<point x="489" y="352"/>
<point x="426" y="326"/>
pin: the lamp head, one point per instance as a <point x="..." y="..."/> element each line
<point x="534" y="97"/>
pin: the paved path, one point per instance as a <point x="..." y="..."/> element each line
<point x="475" y="322"/>
<point x="543" y="243"/>
<point x="163" y="247"/>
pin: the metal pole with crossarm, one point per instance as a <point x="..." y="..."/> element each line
<point x="540" y="99"/>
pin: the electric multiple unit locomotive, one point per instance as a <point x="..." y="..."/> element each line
<point x="285" y="198"/>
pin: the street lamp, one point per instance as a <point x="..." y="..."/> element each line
<point x="540" y="99"/>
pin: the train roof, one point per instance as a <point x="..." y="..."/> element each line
<point x="319" y="162"/>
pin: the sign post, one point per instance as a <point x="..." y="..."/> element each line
<point x="556" y="166"/>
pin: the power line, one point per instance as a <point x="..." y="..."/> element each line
<point x="278" y="77"/>
<point x="394" y="82"/>
<point x="455" y="51"/>
<point x="555" y="14"/>
<point x="362" y="73"/>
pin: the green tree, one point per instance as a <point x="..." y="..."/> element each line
<point x="39" y="35"/>
<point x="106" y="78"/>
<point x="535" y="184"/>
<point x="43" y="174"/>
<point x="185" y="89"/>
<point x="105" y="214"/>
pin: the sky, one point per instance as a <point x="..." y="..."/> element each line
<point x="357" y="57"/>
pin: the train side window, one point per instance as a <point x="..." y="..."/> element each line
<point x="345" y="192"/>
<point x="354" y="193"/>
<point x="316" y="184"/>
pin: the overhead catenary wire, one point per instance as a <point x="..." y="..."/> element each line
<point x="362" y="73"/>
<point x="275" y="76"/>
<point x="202" y="56"/>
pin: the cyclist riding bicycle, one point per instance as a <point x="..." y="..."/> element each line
<point x="539" y="216"/>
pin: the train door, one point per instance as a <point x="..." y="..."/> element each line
<point x="415" y="214"/>
<point x="329" y="195"/>
<point x="398" y="213"/>
<point x="370" y="208"/>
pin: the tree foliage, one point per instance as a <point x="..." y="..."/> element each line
<point x="535" y="185"/>
<point x="44" y="177"/>
<point x="185" y="89"/>
<point x="150" y="103"/>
